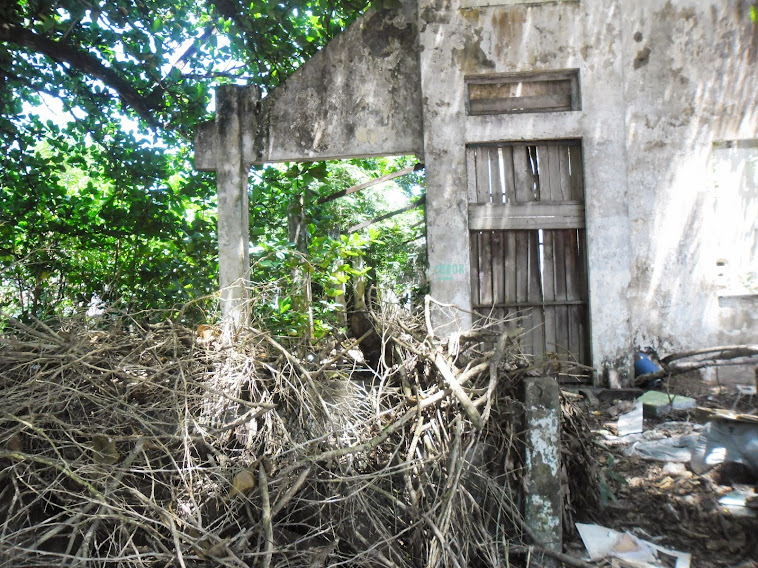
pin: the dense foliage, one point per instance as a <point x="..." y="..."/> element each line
<point x="390" y="254"/>
<point x="98" y="102"/>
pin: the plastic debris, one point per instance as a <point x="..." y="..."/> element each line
<point x="676" y="449"/>
<point x="631" y="422"/>
<point x="737" y="502"/>
<point x="602" y="542"/>
<point x="726" y="440"/>
<point x="644" y="365"/>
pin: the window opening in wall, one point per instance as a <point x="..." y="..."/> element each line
<point x="511" y="93"/>
<point x="528" y="247"/>
<point x="734" y="230"/>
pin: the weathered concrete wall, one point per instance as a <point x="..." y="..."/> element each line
<point x="691" y="82"/>
<point x="660" y="83"/>
<point x="515" y="38"/>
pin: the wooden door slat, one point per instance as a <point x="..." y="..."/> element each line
<point x="548" y="288"/>
<point x="522" y="175"/>
<point x="498" y="268"/>
<point x="548" y="267"/>
<point x="550" y="341"/>
<point x="536" y="333"/>
<point x="496" y="176"/>
<point x="559" y="252"/>
<point x="537" y="304"/>
<point x="543" y="168"/>
<point x="529" y="215"/>
<point x="475" y="268"/>
<point x="511" y="267"/>
<point x="535" y="276"/>
<point x="522" y="262"/>
<point x="485" y="263"/>
<point x="562" y="339"/>
<point x="564" y="168"/>
<point x="582" y="276"/>
<point x="580" y="346"/>
<point x="482" y="175"/>
<point x="535" y="294"/>
<point x="508" y="174"/>
<point x="577" y="172"/>
<point x="471" y="174"/>
<point x="558" y="192"/>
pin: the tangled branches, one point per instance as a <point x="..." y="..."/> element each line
<point x="161" y="446"/>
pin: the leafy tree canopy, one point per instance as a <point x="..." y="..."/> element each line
<point x="98" y="102"/>
<point x="154" y="59"/>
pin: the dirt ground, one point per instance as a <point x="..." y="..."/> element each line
<point x="666" y="503"/>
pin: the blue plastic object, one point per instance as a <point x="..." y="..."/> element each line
<point x="644" y="365"/>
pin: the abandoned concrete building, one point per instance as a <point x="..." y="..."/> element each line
<point x="590" y="163"/>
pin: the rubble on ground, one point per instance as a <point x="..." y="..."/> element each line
<point x="655" y="484"/>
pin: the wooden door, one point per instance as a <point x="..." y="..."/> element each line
<point x="528" y="247"/>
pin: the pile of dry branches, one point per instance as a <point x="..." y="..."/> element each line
<point x="164" y="446"/>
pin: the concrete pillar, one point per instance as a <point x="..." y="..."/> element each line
<point x="443" y="103"/>
<point x="232" y="110"/>
<point x="544" y="502"/>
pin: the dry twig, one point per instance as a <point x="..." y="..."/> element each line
<point x="149" y="448"/>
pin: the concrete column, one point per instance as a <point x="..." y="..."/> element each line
<point x="443" y="104"/>
<point x="233" y="215"/>
<point x="544" y="501"/>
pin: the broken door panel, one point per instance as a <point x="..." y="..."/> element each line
<point x="528" y="247"/>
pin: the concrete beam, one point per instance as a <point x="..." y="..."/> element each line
<point x="359" y="96"/>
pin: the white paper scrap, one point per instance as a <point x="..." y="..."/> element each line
<point x="602" y="542"/>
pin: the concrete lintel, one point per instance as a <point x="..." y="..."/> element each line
<point x="544" y="502"/>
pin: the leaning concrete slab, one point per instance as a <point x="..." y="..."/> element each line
<point x="544" y="505"/>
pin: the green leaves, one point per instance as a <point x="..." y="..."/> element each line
<point x="98" y="196"/>
<point x="285" y="197"/>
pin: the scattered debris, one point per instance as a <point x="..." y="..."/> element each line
<point x="745" y="390"/>
<point x="666" y="502"/>
<point x="602" y="542"/>
<point x="740" y="502"/>
<point x="727" y="440"/>
<point x="677" y="449"/>
<point x="631" y="422"/>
